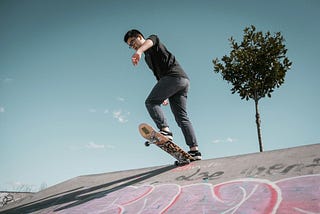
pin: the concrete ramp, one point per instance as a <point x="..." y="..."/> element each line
<point x="281" y="181"/>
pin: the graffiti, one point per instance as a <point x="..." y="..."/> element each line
<point x="193" y="166"/>
<point x="254" y="171"/>
<point x="293" y="195"/>
<point x="5" y="198"/>
<point x="200" y="176"/>
<point x="281" y="169"/>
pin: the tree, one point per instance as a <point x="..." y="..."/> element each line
<point x="255" y="67"/>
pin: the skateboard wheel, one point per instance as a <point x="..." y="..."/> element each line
<point x="147" y="143"/>
<point x="176" y="163"/>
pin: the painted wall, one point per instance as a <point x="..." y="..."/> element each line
<point x="283" y="182"/>
<point x="293" y="195"/>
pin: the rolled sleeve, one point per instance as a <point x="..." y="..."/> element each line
<point x="154" y="39"/>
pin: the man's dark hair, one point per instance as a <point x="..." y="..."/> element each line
<point x="132" y="33"/>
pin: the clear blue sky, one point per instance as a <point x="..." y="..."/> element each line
<point x="71" y="101"/>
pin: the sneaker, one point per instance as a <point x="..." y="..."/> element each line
<point x="196" y="155"/>
<point x="168" y="134"/>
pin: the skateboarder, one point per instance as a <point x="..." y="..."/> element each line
<point x="172" y="86"/>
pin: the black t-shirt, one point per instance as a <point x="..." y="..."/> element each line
<point x="161" y="61"/>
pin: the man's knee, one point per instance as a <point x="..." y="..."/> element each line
<point x="150" y="102"/>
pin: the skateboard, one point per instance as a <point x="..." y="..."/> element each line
<point x="154" y="137"/>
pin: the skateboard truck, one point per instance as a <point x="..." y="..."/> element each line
<point x="153" y="139"/>
<point x="182" y="163"/>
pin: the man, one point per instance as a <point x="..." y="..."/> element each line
<point x="173" y="84"/>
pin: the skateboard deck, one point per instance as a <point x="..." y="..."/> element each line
<point x="154" y="137"/>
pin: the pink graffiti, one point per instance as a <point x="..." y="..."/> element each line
<point x="289" y="196"/>
<point x="300" y="195"/>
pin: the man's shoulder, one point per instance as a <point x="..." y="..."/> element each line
<point x="154" y="38"/>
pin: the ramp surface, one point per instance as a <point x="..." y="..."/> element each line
<point x="281" y="181"/>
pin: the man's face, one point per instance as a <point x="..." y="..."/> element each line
<point x="135" y="42"/>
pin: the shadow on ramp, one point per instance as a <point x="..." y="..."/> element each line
<point x="79" y="195"/>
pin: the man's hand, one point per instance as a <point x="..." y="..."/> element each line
<point x="136" y="58"/>
<point x="165" y="102"/>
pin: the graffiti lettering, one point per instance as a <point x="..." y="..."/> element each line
<point x="203" y="175"/>
<point x="280" y="169"/>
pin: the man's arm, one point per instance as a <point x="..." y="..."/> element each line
<point x="144" y="47"/>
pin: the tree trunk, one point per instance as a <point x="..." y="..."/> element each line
<point x="258" y="122"/>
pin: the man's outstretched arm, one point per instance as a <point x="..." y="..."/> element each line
<point x="137" y="55"/>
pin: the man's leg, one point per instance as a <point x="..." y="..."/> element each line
<point x="165" y="88"/>
<point x="176" y="90"/>
<point x="178" y="104"/>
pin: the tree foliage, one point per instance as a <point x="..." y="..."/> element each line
<point x="256" y="66"/>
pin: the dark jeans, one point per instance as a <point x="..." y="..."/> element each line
<point x="176" y="89"/>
